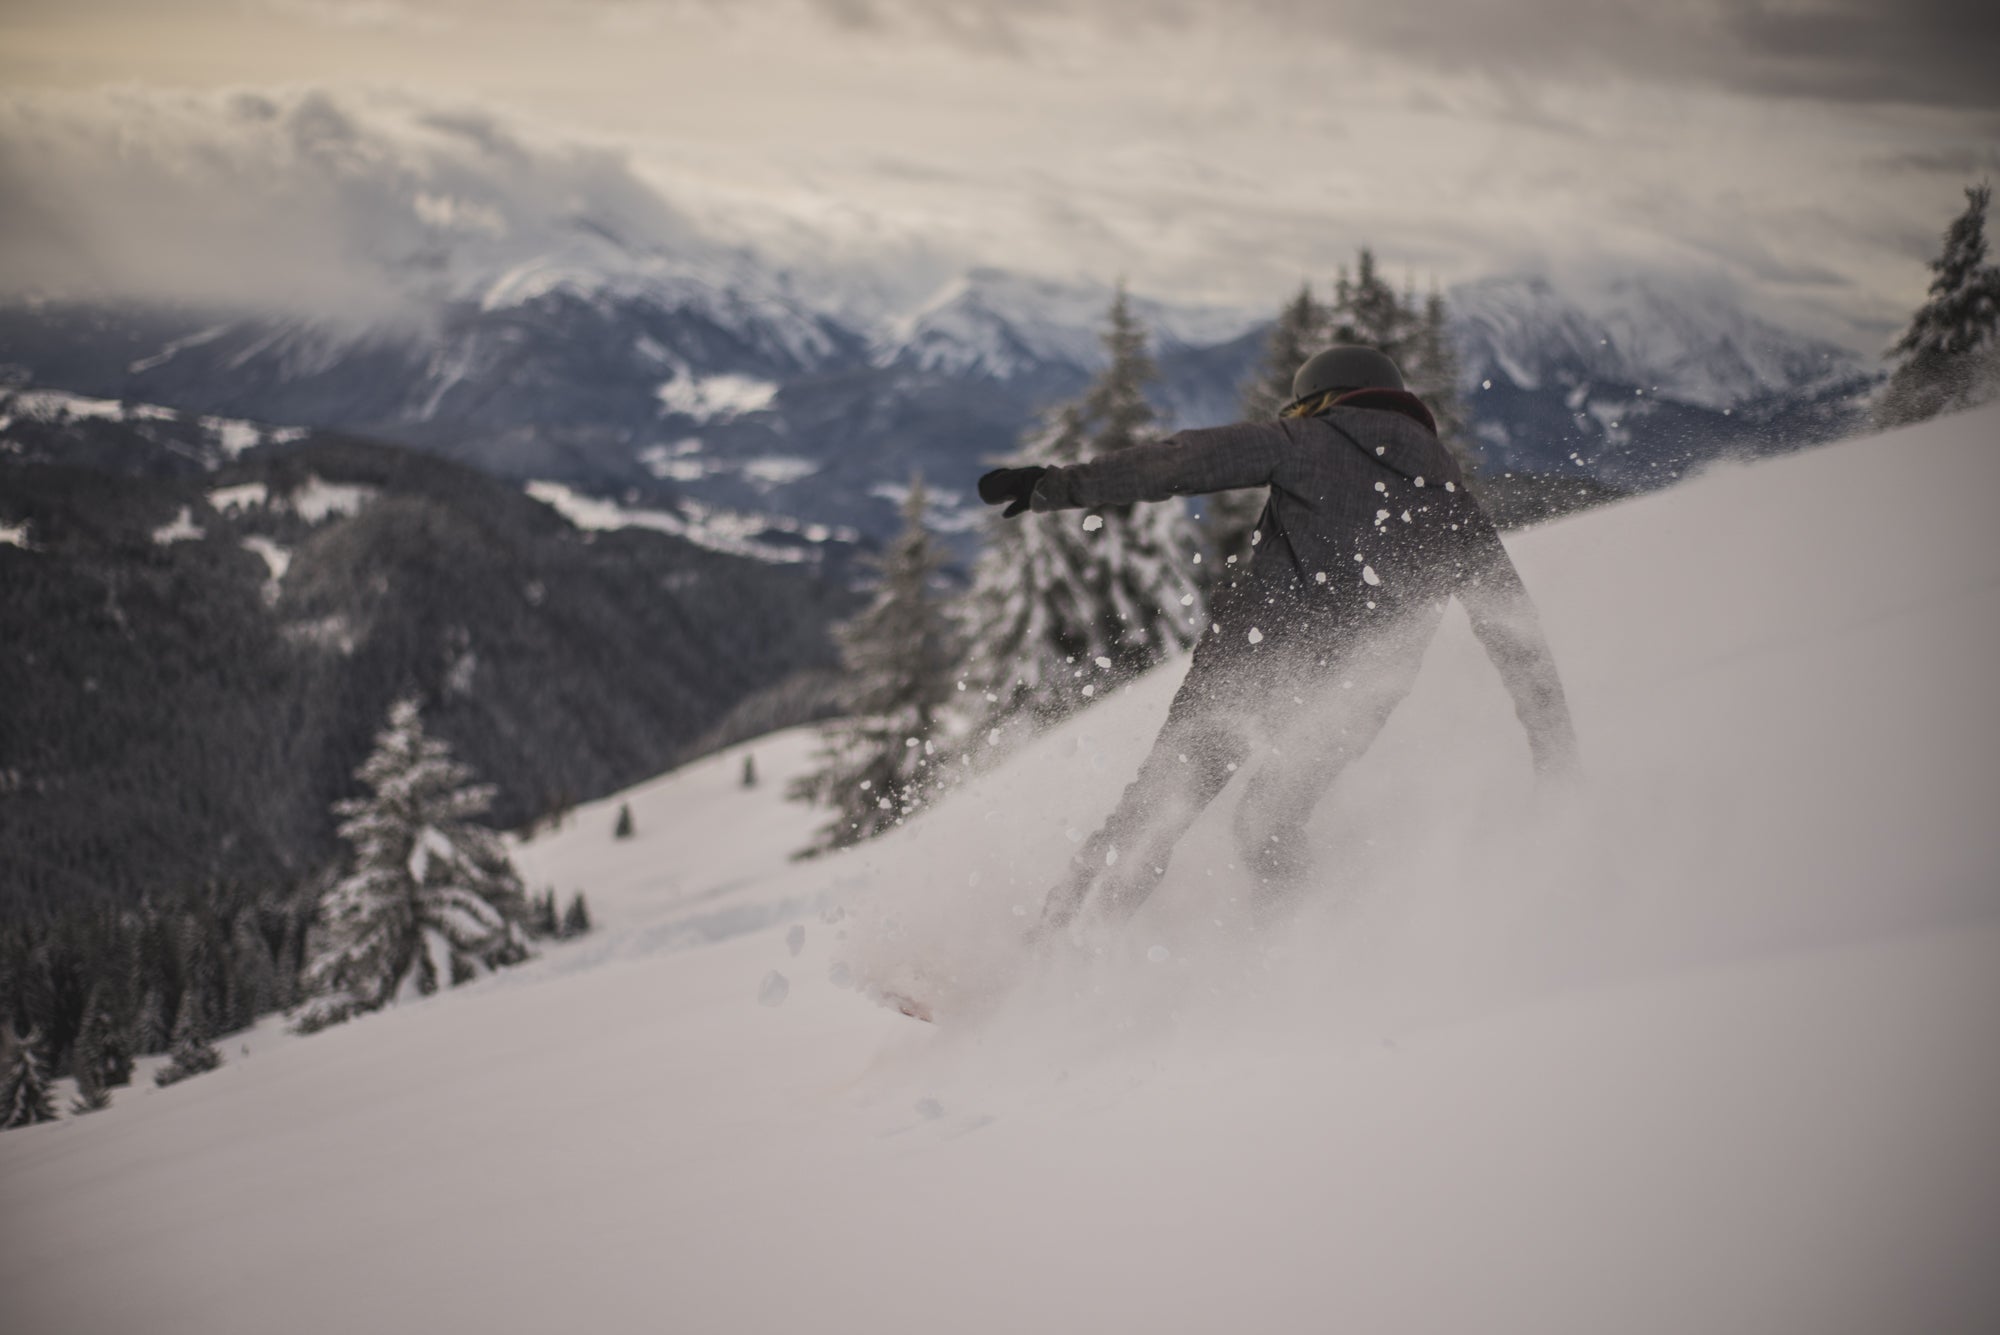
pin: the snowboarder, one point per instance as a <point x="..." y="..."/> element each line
<point x="1368" y="533"/>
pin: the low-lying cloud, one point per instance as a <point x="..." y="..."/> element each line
<point x="362" y="209"/>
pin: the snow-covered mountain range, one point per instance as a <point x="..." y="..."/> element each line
<point x="626" y="373"/>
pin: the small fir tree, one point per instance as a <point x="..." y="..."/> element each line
<point x="25" y="1096"/>
<point x="1948" y="360"/>
<point x="749" y="771"/>
<point x="879" y="763"/>
<point x="192" y="1053"/>
<point x="545" y="920"/>
<point x="1065" y="606"/>
<point x="576" y="918"/>
<point x="623" y="829"/>
<point x="432" y="900"/>
<point x="91" y="1095"/>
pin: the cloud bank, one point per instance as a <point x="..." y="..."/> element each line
<point x="349" y="208"/>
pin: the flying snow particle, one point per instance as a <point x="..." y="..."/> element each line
<point x="1420" y="479"/>
<point x="1381" y="515"/>
<point x="1320" y="578"/>
<point x="866" y="784"/>
<point x="1486" y="384"/>
<point x="1110" y="857"/>
<point x="773" y="990"/>
<point x="1104" y="663"/>
<point x="1159" y="954"/>
<point x="1256" y="636"/>
<point x="1382" y="487"/>
<point x="1089" y="691"/>
<point x="1187" y="600"/>
<point x="883" y="804"/>
<point x="1406" y="517"/>
<point x="909" y="741"/>
<point x="1381" y="449"/>
<point x="1092" y="523"/>
<point x="795" y="939"/>
<point x="993" y="737"/>
<point x="1256" y="536"/>
<point x="1449" y="487"/>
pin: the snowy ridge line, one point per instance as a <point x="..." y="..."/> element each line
<point x="725" y="531"/>
<point x="231" y="436"/>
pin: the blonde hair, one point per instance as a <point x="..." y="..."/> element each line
<point x="1313" y="405"/>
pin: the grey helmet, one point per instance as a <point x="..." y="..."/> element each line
<point x="1344" y="366"/>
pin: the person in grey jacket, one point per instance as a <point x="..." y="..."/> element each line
<point x="1369" y="532"/>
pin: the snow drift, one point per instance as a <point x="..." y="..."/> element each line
<point x="1705" y="1045"/>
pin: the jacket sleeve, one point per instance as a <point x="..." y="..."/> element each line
<point x="1187" y="463"/>
<point x="1503" y="618"/>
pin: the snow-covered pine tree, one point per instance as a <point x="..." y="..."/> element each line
<point x="192" y="1052"/>
<point x="1064" y="606"/>
<point x="102" y="1047"/>
<point x="623" y="828"/>
<point x="253" y="974"/>
<point x="1366" y="309"/>
<point x="576" y="918"/>
<point x="880" y="762"/>
<point x="432" y="899"/>
<point x="149" y="1029"/>
<point x="1429" y="364"/>
<point x="24" y="1088"/>
<point x="87" y="1059"/>
<point x="1949" y="355"/>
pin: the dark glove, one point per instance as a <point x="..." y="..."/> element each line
<point x="1012" y="487"/>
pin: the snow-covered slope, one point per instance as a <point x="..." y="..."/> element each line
<point x="1706" y="1046"/>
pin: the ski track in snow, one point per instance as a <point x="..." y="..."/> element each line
<point x="1704" y="1046"/>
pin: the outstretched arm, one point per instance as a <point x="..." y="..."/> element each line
<point x="1187" y="463"/>
<point x="1504" y="620"/>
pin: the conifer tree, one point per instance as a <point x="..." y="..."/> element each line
<point x="432" y="899"/>
<point x="24" y="1088"/>
<point x="1429" y="364"/>
<point x="253" y="974"/>
<point x="192" y="1053"/>
<point x="1948" y="355"/>
<point x="1366" y="309"/>
<point x="101" y="1048"/>
<point x="576" y="918"/>
<point x="1064" y="606"/>
<point x="749" y="770"/>
<point x="149" y="1030"/>
<point x="623" y="829"/>
<point x="880" y="762"/>
<point x="91" y="1095"/>
<point x="546" y="922"/>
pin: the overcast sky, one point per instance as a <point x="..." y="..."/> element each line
<point x="1807" y="152"/>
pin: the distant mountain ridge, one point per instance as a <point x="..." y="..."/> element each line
<point x="627" y="376"/>
<point x="194" y="659"/>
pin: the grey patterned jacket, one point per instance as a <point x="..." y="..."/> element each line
<point x="1369" y="524"/>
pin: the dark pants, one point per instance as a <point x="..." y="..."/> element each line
<point x="1294" y="715"/>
